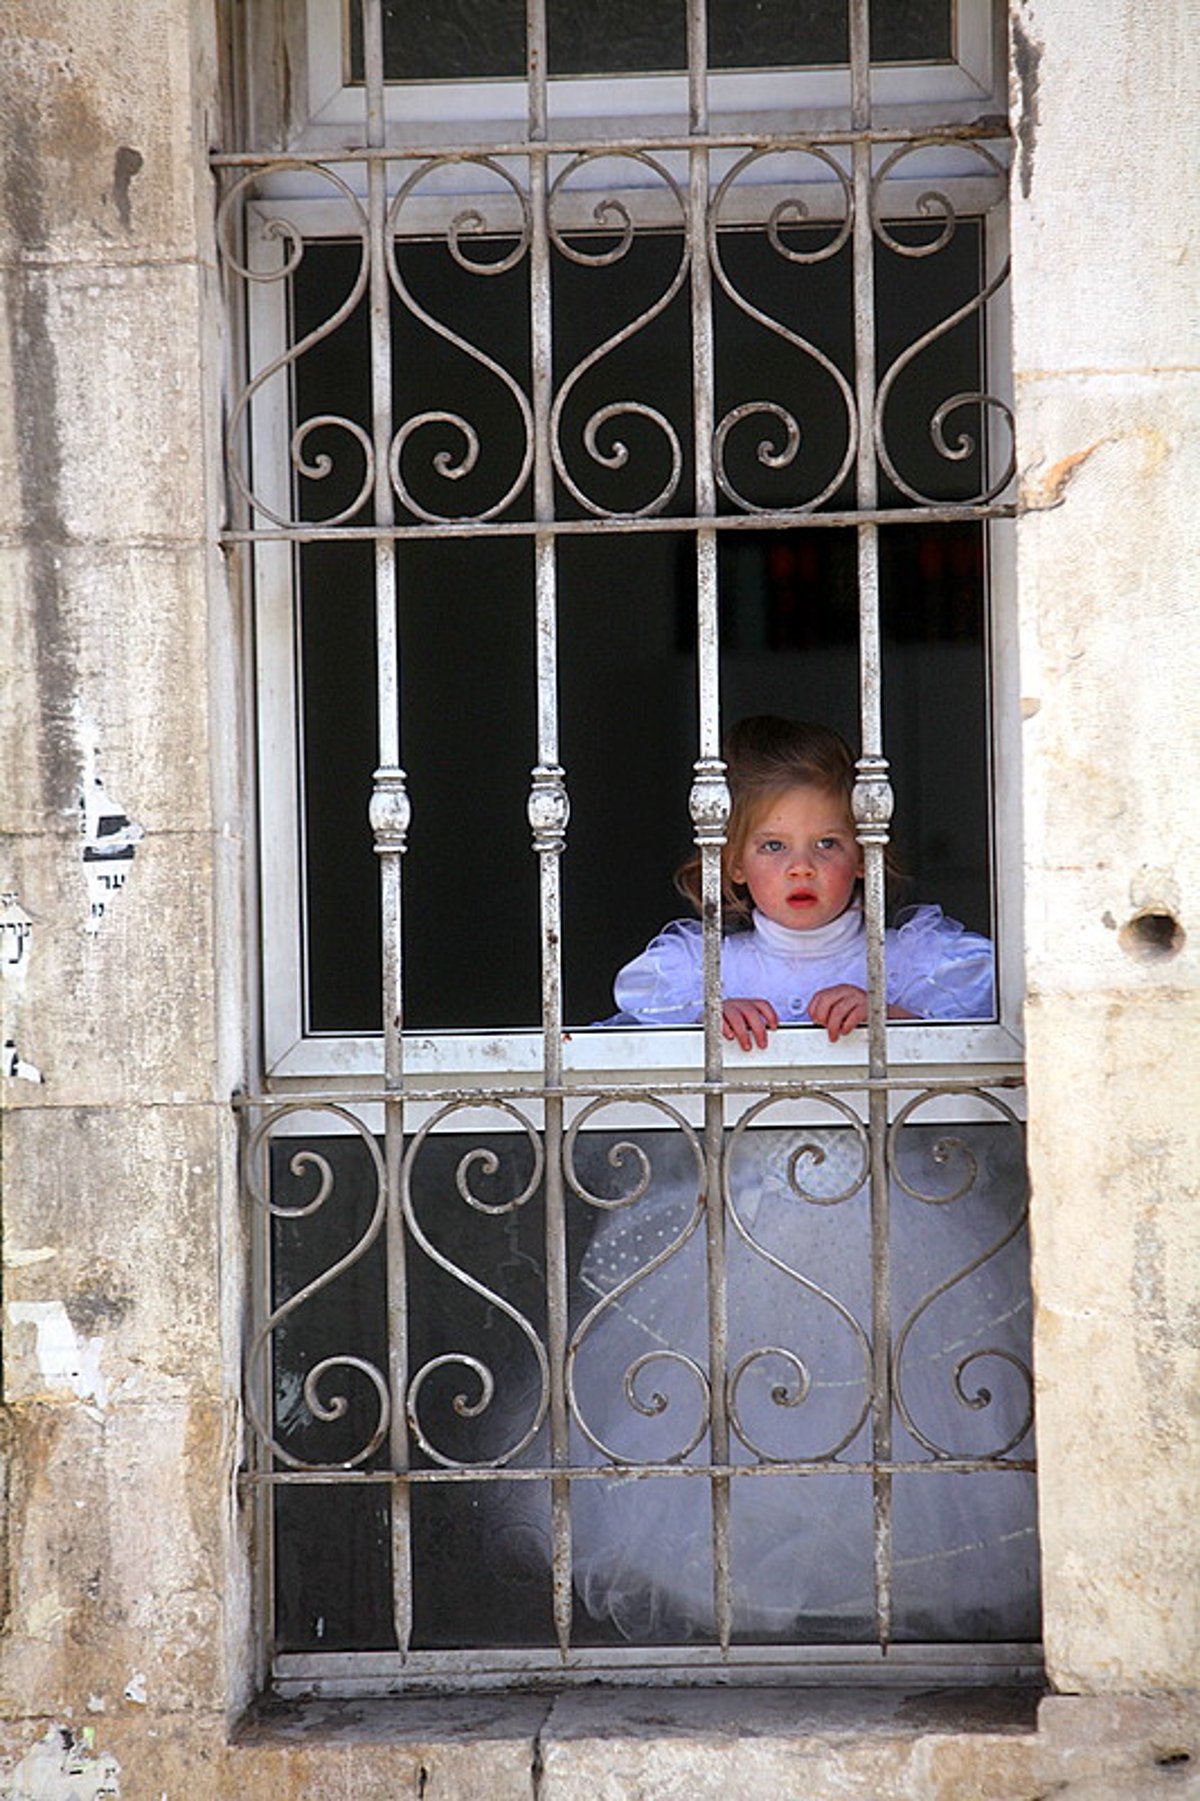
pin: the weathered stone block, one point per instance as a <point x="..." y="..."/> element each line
<point x="118" y="1005"/>
<point x="1110" y="671"/>
<point x="1113" y="275"/>
<point x="100" y="150"/>
<point x="799" y="1744"/>
<point x="116" y="1560"/>
<point x="111" y="413"/>
<point x="1116" y="1244"/>
<point x="107" y="650"/>
<point x="112" y="1253"/>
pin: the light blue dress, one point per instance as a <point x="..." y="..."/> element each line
<point x="799" y="1304"/>
<point x="935" y="968"/>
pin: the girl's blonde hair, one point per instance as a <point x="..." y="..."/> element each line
<point x="766" y="755"/>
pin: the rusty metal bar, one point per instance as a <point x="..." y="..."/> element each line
<point x="566" y="145"/>
<point x="710" y="800"/>
<point x="389" y="814"/>
<point x="872" y="807"/>
<point x="670" y="522"/>
<point x="549" y="810"/>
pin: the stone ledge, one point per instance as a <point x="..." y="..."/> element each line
<point x="798" y="1744"/>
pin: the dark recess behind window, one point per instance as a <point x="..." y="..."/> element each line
<point x="627" y="686"/>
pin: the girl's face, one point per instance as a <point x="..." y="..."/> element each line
<point x="800" y="859"/>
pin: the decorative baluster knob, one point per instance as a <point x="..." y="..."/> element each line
<point x="872" y="801"/>
<point x="548" y="809"/>
<point x="709" y="801"/>
<point x="390" y="810"/>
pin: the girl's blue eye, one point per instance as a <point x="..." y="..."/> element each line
<point x="771" y="844"/>
<point x="827" y="843"/>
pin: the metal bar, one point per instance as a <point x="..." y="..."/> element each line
<point x="590" y="1472"/>
<point x="522" y="528"/>
<point x="548" y="815"/>
<point x="260" y="1470"/>
<point x="389" y="814"/>
<point x="710" y="804"/>
<point x="566" y="145"/>
<point x="872" y="808"/>
<point x="784" y="1089"/>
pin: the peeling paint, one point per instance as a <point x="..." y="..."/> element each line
<point x="64" y="1359"/>
<point x="16" y="1067"/>
<point x="61" y="1767"/>
<point x="110" y="841"/>
<point x="42" y="1253"/>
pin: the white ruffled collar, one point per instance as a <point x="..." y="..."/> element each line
<point x="817" y="941"/>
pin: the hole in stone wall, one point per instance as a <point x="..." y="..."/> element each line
<point x="1171" y="1760"/>
<point x="1152" y="935"/>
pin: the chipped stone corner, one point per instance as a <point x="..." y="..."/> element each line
<point x="63" y="1766"/>
<point x="1043" y="489"/>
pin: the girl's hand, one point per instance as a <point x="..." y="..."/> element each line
<point x="749" y="1021"/>
<point x="842" y="1008"/>
<point x="839" y="1009"/>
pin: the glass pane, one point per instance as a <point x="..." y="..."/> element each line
<point x="627" y="614"/>
<point x="799" y="1299"/>
<point x="445" y="40"/>
<point x="463" y="40"/>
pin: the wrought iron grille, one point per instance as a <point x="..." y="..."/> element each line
<point x="426" y="1416"/>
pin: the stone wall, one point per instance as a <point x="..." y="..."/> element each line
<point x="127" y="1648"/>
<point x="1106" y="326"/>
<point x="122" y="813"/>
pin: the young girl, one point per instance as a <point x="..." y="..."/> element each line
<point x="798" y="1277"/>
<point x="795" y="949"/>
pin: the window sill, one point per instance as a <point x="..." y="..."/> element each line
<point x="605" y="1743"/>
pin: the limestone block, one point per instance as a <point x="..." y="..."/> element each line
<point x="441" y="1748"/>
<point x="116" y="1559"/>
<point x="111" y="416"/>
<point x="1104" y="214"/>
<point x="1114" y="1151"/>
<point x="111" y="1255"/>
<point x="1110" y="654"/>
<point x="477" y="1750"/>
<point x="119" y="1007"/>
<point x="1122" y="1747"/>
<point x="108" y="684"/>
<point x="99" y="104"/>
<point x="871" y="1745"/>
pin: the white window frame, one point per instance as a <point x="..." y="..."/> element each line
<point x="975" y="72"/>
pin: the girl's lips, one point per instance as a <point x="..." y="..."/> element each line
<point x="802" y="898"/>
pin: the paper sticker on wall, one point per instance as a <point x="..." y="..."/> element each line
<point x="110" y="841"/>
<point x="16" y="936"/>
<point x="16" y="930"/>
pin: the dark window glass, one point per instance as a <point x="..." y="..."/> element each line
<point x="464" y="40"/>
<point x="789" y="625"/>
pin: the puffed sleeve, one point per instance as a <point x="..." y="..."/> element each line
<point x="665" y="985"/>
<point x="939" y="970"/>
